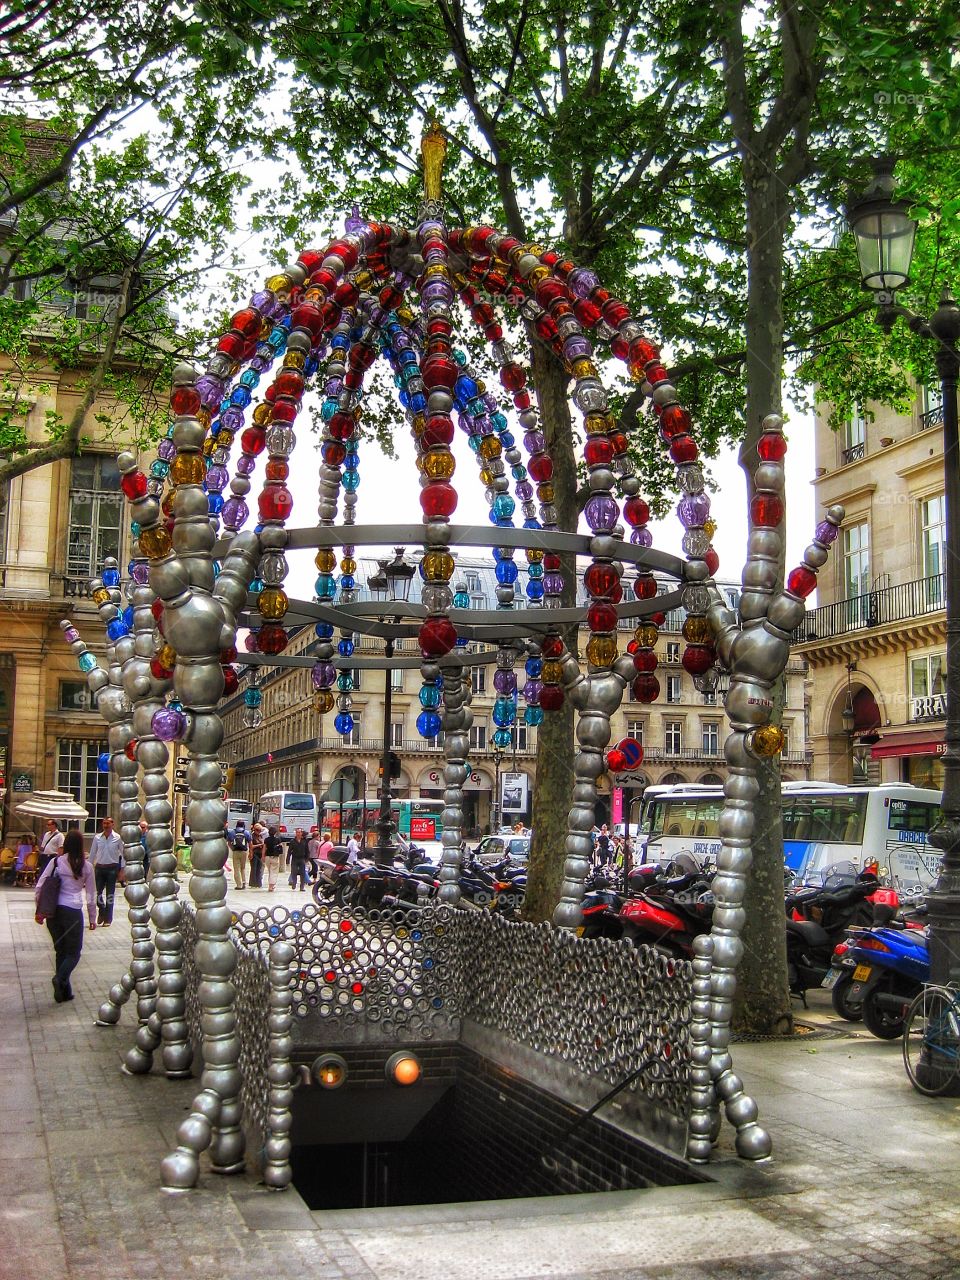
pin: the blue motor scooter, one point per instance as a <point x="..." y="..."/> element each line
<point x="891" y="967"/>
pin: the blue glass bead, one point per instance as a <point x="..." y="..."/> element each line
<point x="277" y="337"/>
<point x="217" y="568"/>
<point x="347" y="582"/>
<point x="475" y="442"/>
<point x="344" y="682"/>
<point x="351" y="481"/>
<point x="330" y="407"/>
<point x="428" y="724"/>
<point x="499" y="422"/>
<point x="418" y="402"/>
<point x="506" y="572"/>
<point x="462" y="642"/>
<point x="507" y="439"/>
<point x="252" y="697"/>
<point x="459" y="356"/>
<point x="502" y="738"/>
<point x="345" y="648"/>
<point x="534" y="590"/>
<point x="256" y="586"/>
<point x="103" y="762"/>
<point x="534" y="570"/>
<point x="533" y="667"/>
<point x="504" y="711"/>
<point x="286" y="322"/>
<point x="325" y="586"/>
<point x="135" y="528"/>
<point x="531" y="523"/>
<point x="477" y="407"/>
<point x="398" y="381"/>
<point x="241" y="397"/>
<point x="503" y="506"/>
<point x="159" y="469"/>
<point x="408" y="356"/>
<point x="128" y="617"/>
<point x="343" y="723"/>
<point x="111" y="577"/>
<point x="340" y="341"/>
<point x="249" y="378"/>
<point x="87" y="662"/>
<point x="404" y="399"/>
<point x="533" y="716"/>
<point x="323" y="630"/>
<point x="351" y="461"/>
<point x="461" y="600"/>
<point x="117" y="629"/>
<point x="429" y="697"/>
<point x="214" y="503"/>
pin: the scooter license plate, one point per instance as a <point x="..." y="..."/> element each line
<point x="832" y="978"/>
<point x="862" y="972"/>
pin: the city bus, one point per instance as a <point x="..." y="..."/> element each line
<point x="823" y="823"/>
<point x="288" y="810"/>
<point x="418" y="821"/>
<point x="239" y="811"/>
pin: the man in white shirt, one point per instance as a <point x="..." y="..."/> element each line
<point x="106" y="854"/>
<point x="51" y="844"/>
<point x="353" y="848"/>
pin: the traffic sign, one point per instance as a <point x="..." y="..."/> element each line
<point x="180" y="775"/>
<point x="180" y="789"/>
<point x="340" y="791"/>
<point x="628" y="779"/>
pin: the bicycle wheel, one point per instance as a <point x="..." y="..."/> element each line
<point x="931" y="1042"/>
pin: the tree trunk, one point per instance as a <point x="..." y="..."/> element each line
<point x="555" y="746"/>
<point x="762" y="1004"/>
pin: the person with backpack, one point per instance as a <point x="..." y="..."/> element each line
<point x="65" y="923"/>
<point x="297" y="854"/>
<point x="239" y="844"/>
<point x="272" y="853"/>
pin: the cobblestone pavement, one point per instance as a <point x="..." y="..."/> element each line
<point x="863" y="1182"/>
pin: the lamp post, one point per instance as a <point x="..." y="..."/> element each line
<point x="884" y="233"/>
<point x="495" y="814"/>
<point x="391" y="585"/>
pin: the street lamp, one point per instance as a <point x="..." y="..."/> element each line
<point x="390" y="585"/>
<point x="884" y="233"/>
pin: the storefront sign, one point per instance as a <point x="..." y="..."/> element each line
<point x="514" y="793"/>
<point x="22" y="783"/>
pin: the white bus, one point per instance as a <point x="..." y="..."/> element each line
<point x="288" y="810"/>
<point x="239" y="811"/>
<point x="823" y="823"/>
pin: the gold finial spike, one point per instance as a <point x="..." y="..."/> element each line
<point x="433" y="148"/>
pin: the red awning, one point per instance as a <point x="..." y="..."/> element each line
<point x="923" y="743"/>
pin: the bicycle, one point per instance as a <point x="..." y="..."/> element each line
<point x="931" y="1041"/>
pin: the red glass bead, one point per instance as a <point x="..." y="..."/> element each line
<point x="253" y="441"/>
<point x="284" y="410"/>
<point x="324" y="280"/>
<point x="586" y="312"/>
<point x="346" y="293"/>
<point x="342" y="425"/>
<point x="158" y="670"/>
<point x="166" y="506"/>
<point x="549" y="291"/>
<point x="247" y="322"/>
<point x="766" y="510"/>
<point x="231" y="344"/>
<point x="712" y="560"/>
<point x="771" y="447"/>
<point x="546" y="328"/>
<point x="130" y="750"/>
<point x="310" y="259"/>
<point x="308" y="316"/>
<point x="645" y="587"/>
<point x="644" y="661"/>
<point x="674" y="421"/>
<point x="277" y="469"/>
<point x="134" y="485"/>
<point x="438" y="431"/>
<point x="616" y="760"/>
<point x="683" y="449"/>
<point x="552" y="647"/>
<point x="156" y="609"/>
<point x="272" y="638"/>
<point x="522" y="398"/>
<point x="549" y="258"/>
<point x="645" y="688"/>
<point x="600" y="580"/>
<point x="697" y="658"/>
<point x="597" y="452"/>
<point x="551" y="563"/>
<point x="333" y="452"/>
<point x="362" y="356"/>
<point x="437" y="636"/>
<point x="228" y="655"/>
<point x="801" y="581"/>
<point x="230" y="682"/>
<point x="618" y="442"/>
<point x="656" y="374"/>
<point x="439" y="326"/>
<point x="289" y="383"/>
<point x="658" y="618"/>
<point x="620" y="347"/>
<point x="184" y="400"/>
<point x="438" y="499"/>
<point x="636" y="512"/>
<point x="615" y="312"/>
<point x="439" y="371"/>
<point x="642" y="352"/>
<point x="602" y="617"/>
<point x="275" y="502"/>
<point x="540" y="468"/>
<point x="348" y="252"/>
<point x="551" y="697"/>
<point x="512" y="377"/>
<point x="251" y="644"/>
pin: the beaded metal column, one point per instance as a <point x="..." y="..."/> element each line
<point x="457" y="719"/>
<point x="704" y="1119"/>
<point x="277" y="1172"/>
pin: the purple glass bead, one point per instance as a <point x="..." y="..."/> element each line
<point x="234" y="514"/>
<point x="602" y="512"/>
<point x="531" y="692"/>
<point x="553" y="583"/>
<point x="826" y="532"/>
<point x="693" y="510"/>
<point x="217" y="477"/>
<point x="524" y="490"/>
<point x="483" y="425"/>
<point x="642" y="537"/>
<point x="71" y="635"/>
<point x="259" y="364"/>
<point x="534" y="442"/>
<point x="211" y="390"/>
<point x="141" y="574"/>
<point x="436" y="291"/>
<point x="166" y="450"/>
<point x="577" y="348"/>
<point x="505" y="681"/>
<point x="265" y="302"/>
<point x="168" y="724"/>
<point x="334" y="386"/>
<point x="246" y="465"/>
<point x="323" y="674"/>
<point x="582" y="282"/>
<point x="231" y="419"/>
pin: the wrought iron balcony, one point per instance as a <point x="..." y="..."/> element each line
<point x="854" y="454"/>
<point x="874" y="609"/>
<point x="932" y="418"/>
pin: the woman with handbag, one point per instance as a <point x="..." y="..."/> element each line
<point x="66" y="881"/>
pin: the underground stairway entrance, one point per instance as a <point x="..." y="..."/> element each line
<point x="466" y="1130"/>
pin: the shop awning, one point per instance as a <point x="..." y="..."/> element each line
<point x="921" y="743"/>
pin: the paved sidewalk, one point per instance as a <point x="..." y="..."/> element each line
<point x="863" y="1182"/>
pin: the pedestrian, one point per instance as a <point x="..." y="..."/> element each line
<point x="144" y="828"/>
<point x="272" y="853"/>
<point x="604" y="848"/>
<point x="66" y="924"/>
<point x="240" y="843"/>
<point x="353" y="847"/>
<point x="256" y="856"/>
<point x="51" y="846"/>
<point x="106" y="854"/>
<point x="313" y="848"/>
<point x="297" y="854"/>
<point x="27" y="845"/>
<point x="325" y="849"/>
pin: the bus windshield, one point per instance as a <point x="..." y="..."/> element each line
<point x="299" y="802"/>
<point x="831" y="819"/>
<point x="696" y="817"/>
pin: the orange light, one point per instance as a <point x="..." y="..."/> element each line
<point x="404" y="1068"/>
<point x="329" y="1071"/>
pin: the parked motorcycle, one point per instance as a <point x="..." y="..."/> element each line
<point x="891" y="966"/>
<point x="670" y="914"/>
<point x="818" y="919"/>
<point x="839" y="980"/>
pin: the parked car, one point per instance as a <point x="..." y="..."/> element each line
<point x="493" y="849"/>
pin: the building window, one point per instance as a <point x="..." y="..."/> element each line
<point x="931" y="407"/>
<point x="75" y="696"/>
<point x="673" y="651"/>
<point x="77" y="773"/>
<point x="709" y="697"/>
<point x="854" y="437"/>
<point x="673" y="737"/>
<point x="354" y="674"/>
<point x="521" y="735"/>
<point x="478" y="680"/>
<point x="478" y="737"/>
<point x="856" y="560"/>
<point x="4" y="504"/>
<point x="785" y="749"/>
<point x="635" y="730"/>
<point x="928" y="687"/>
<point x="472" y="580"/>
<point x="933" y="545"/>
<point x="674" y="690"/>
<point x="396" y="678"/>
<point x="353" y="737"/>
<point x="96" y="506"/>
<point x="396" y="733"/>
<point x="710" y="737"/>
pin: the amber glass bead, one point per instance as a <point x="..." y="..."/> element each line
<point x="697" y="630"/>
<point x="348" y="565"/>
<point x="155" y="542"/>
<point x="595" y="424"/>
<point x="552" y="672"/>
<point x="279" y="284"/>
<point x="187" y="468"/>
<point x="325" y="560"/>
<point x="204" y="417"/>
<point x="486" y="477"/>
<point x="545" y="492"/>
<point x="224" y="438"/>
<point x="263" y="414"/>
<point x="710" y="527"/>
<point x="437" y="566"/>
<point x="294" y="360"/>
<point x="323" y="701"/>
<point x="534" y="555"/>
<point x="439" y="464"/>
<point x="646" y="635"/>
<point x="272" y="603"/>
<point x="601" y="650"/>
<point x="767" y="740"/>
<point x="100" y="596"/>
<point x="167" y="656"/>
<point x="490" y="447"/>
<point x="537" y="274"/>
<point x="583" y="368"/>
